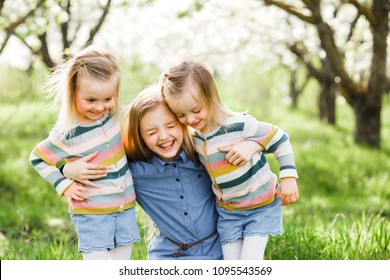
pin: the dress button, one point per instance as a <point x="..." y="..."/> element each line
<point x="199" y="175"/>
<point x="181" y="196"/>
<point x="177" y="179"/>
<point x="185" y="213"/>
<point x="174" y="165"/>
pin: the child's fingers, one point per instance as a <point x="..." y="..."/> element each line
<point x="232" y="159"/>
<point x="279" y="194"/>
<point x="89" y="183"/>
<point x="224" y="149"/>
<point x="90" y="156"/>
<point x="97" y="170"/>
<point x="80" y="197"/>
<point x="231" y="156"/>
<point x="288" y="199"/>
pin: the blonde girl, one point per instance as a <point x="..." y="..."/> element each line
<point x="249" y="196"/>
<point x="87" y="88"/>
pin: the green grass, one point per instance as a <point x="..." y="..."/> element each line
<point x="344" y="207"/>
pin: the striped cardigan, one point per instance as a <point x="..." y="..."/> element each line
<point x="253" y="184"/>
<point x="117" y="192"/>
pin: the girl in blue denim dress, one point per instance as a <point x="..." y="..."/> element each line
<point x="171" y="185"/>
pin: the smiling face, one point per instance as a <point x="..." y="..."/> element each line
<point x="94" y="97"/>
<point x="161" y="132"/>
<point x="189" y="108"/>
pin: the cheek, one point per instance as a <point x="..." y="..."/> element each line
<point x="202" y="115"/>
<point x="178" y="133"/>
<point x="145" y="138"/>
<point x="111" y="103"/>
<point x="80" y="104"/>
<point x="149" y="142"/>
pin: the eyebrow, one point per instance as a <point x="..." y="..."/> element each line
<point x="94" y="97"/>
<point x="168" y="123"/>
<point x="152" y="128"/>
<point x="171" y="122"/>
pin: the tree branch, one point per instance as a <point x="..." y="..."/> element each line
<point x="10" y="30"/>
<point x="336" y="58"/>
<point x="96" y="28"/>
<point x="1" y="5"/>
<point x="299" y="50"/>
<point x="32" y="50"/>
<point x="44" y="51"/>
<point x="290" y="9"/>
<point x="362" y="10"/>
<point x="352" y="29"/>
<point x="65" y="26"/>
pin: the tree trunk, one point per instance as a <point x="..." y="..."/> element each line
<point x="327" y="100"/>
<point x="294" y="92"/>
<point x="368" y="121"/>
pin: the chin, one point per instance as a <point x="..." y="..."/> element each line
<point x="170" y="155"/>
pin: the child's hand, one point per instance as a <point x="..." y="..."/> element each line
<point x="241" y="152"/>
<point x="82" y="171"/>
<point x="76" y="191"/>
<point x="288" y="191"/>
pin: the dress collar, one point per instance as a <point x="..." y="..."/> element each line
<point x="161" y="164"/>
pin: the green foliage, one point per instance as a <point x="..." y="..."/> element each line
<point x="136" y="77"/>
<point x="17" y="85"/>
<point x="344" y="207"/>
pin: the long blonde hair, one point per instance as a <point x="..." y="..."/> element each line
<point x="147" y="100"/>
<point x="175" y="80"/>
<point x="63" y="83"/>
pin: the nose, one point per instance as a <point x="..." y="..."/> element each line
<point x="100" y="107"/>
<point x="164" y="134"/>
<point x="190" y="119"/>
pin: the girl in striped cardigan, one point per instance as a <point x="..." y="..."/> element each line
<point x="102" y="210"/>
<point x="248" y="194"/>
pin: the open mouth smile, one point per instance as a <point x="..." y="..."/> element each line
<point x="167" y="145"/>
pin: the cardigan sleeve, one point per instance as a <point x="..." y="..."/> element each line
<point x="46" y="158"/>
<point x="274" y="140"/>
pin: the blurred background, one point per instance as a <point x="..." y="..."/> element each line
<point x="318" y="69"/>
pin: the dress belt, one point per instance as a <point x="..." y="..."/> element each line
<point x="186" y="246"/>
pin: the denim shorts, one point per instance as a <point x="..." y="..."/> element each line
<point x="264" y="221"/>
<point x="105" y="231"/>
